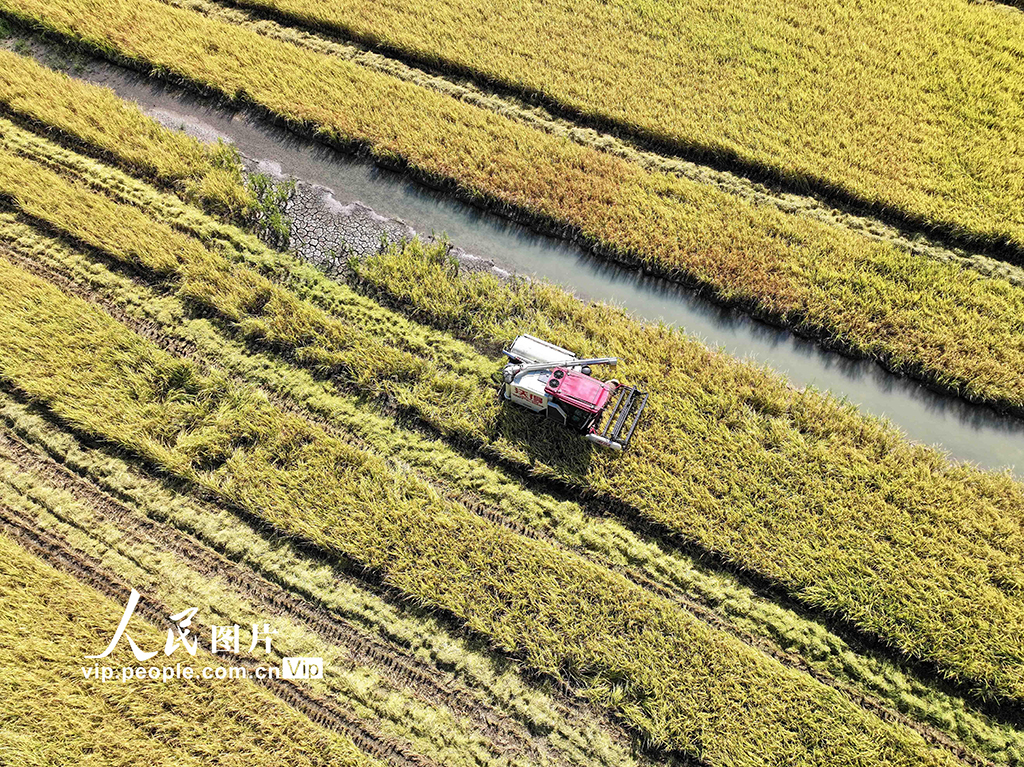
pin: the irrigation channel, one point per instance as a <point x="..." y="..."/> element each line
<point x="365" y="200"/>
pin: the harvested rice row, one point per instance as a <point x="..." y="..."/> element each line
<point x="390" y="710"/>
<point x="666" y="673"/>
<point x="573" y="735"/>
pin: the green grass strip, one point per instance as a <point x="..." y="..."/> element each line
<point x="679" y="682"/>
<point x="936" y="321"/>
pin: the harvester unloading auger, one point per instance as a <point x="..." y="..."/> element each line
<point x="548" y="379"/>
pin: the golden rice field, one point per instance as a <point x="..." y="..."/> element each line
<point x="912" y="107"/>
<point x="854" y="294"/>
<point x="768" y="576"/>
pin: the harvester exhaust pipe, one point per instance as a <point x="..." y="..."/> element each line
<point x="511" y="371"/>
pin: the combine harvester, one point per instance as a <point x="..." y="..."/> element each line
<point x="544" y="378"/>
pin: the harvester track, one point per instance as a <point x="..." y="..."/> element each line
<point x="320" y="710"/>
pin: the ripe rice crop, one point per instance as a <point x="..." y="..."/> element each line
<point x="833" y="505"/>
<point x="392" y="710"/>
<point x="916" y="108"/>
<point x="936" y="321"/>
<point x="351" y="432"/>
<point x="603" y="539"/>
<point x="667" y="674"/>
<point x="98" y="118"/>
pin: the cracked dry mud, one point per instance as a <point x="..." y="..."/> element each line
<point x="326" y="231"/>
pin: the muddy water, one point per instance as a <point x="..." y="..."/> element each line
<point x="964" y="431"/>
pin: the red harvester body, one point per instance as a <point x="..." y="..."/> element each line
<point x="548" y="379"/>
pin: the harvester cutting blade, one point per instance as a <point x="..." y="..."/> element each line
<point x="623" y="416"/>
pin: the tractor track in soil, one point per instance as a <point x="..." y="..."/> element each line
<point x="183" y="348"/>
<point x="481" y="508"/>
<point x="85" y="569"/>
<point x="401" y="670"/>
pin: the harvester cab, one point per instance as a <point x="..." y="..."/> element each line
<point x="551" y="380"/>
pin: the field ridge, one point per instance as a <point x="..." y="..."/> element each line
<point x="385" y="545"/>
<point x="767" y="577"/>
<point x="74" y="614"/>
<point x="79" y="212"/>
<point x="702" y="613"/>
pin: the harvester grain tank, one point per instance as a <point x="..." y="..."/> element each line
<point x="553" y="381"/>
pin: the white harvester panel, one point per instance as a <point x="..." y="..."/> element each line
<point x="527" y="389"/>
<point x="533" y="349"/>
